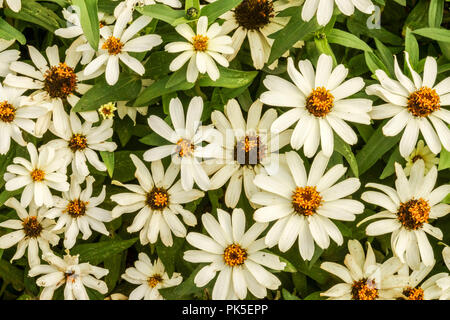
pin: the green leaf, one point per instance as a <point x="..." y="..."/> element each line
<point x="216" y="9"/>
<point x="95" y="253"/>
<point x="386" y="57"/>
<point x="412" y="47"/>
<point x="434" y="33"/>
<point x="444" y="159"/>
<point x="229" y="78"/>
<point x="288" y="296"/>
<point x="126" y="88"/>
<point x="435" y="13"/>
<point x="162" y="12"/>
<point x="167" y="254"/>
<point x="295" y="30"/>
<point x="5" y="195"/>
<point x="8" y="32"/>
<point x="314" y="296"/>
<point x="346" y="151"/>
<point x="153" y="139"/>
<point x="124" y="167"/>
<point x="177" y="78"/>
<point x="375" y="148"/>
<point x="347" y="39"/>
<point x="323" y="46"/>
<point x="374" y="63"/>
<point x="390" y="168"/>
<point x="113" y="264"/>
<point x="89" y="20"/>
<point x="11" y="274"/>
<point x="157" y="65"/>
<point x="183" y="290"/>
<point x="108" y="159"/>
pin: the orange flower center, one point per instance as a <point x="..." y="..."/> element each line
<point x="37" y="175"/>
<point x="60" y="81"/>
<point x="113" y="45"/>
<point x="154" y="280"/>
<point x="31" y="227"/>
<point x="184" y="148"/>
<point x="364" y="289"/>
<point x="414" y="213"/>
<point x="76" y="208"/>
<point x="200" y="42"/>
<point x="77" y="142"/>
<point x="158" y="198"/>
<point x="423" y="102"/>
<point x="7" y="112"/>
<point x="413" y="293"/>
<point x="254" y="14"/>
<point x="319" y="102"/>
<point x="306" y="200"/>
<point x="234" y="255"/>
<point x="249" y="151"/>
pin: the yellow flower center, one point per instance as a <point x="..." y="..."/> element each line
<point x="158" y="198"/>
<point x="249" y="151"/>
<point x="413" y="293"/>
<point x="234" y="255"/>
<point x="364" y="289"/>
<point x="200" y="42"/>
<point x="37" y="175"/>
<point x="113" y="45"/>
<point x="154" y="280"/>
<point x="414" y="213"/>
<point x="31" y="227"/>
<point x="254" y="14"/>
<point x="7" y="112"/>
<point x="76" y="208"/>
<point x="184" y="148"/>
<point x="77" y="142"/>
<point x="423" y="102"/>
<point x="306" y="200"/>
<point x="60" y="81"/>
<point x="319" y="102"/>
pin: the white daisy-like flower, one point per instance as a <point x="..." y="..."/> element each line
<point x="7" y="56"/>
<point x="248" y="147"/>
<point x="412" y="105"/>
<point x="74" y="30"/>
<point x="202" y="49"/>
<point x="446" y="256"/>
<point x="319" y="104"/>
<point x="33" y="231"/>
<point x="77" y="211"/>
<point x="186" y="142"/>
<point x="303" y="205"/>
<point x="364" y="278"/>
<point x="53" y="84"/>
<point x="14" y="5"/>
<point x="255" y="19"/>
<point x="115" y="45"/>
<point x="159" y="200"/>
<point x="323" y="9"/>
<point x="150" y="277"/>
<point x="70" y="272"/>
<point x="237" y="256"/>
<point x="44" y="171"/>
<point x="421" y="152"/>
<point x="408" y="209"/>
<point x="16" y="114"/>
<point x="131" y="4"/>
<point x="80" y="142"/>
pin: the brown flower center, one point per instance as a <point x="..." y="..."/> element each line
<point x="31" y="227"/>
<point x="184" y="148"/>
<point x="37" y="175"/>
<point x="413" y="293"/>
<point x="319" y="102"/>
<point x="77" y="142"/>
<point x="158" y="198"/>
<point x="200" y="42"/>
<point x="7" y="112"/>
<point x="113" y="45"/>
<point x="423" y="102"/>
<point x="254" y="14"/>
<point x="414" y="213"/>
<point x="234" y="255"/>
<point x="364" y="289"/>
<point x="306" y="200"/>
<point x="154" y="280"/>
<point x="60" y="81"/>
<point x="249" y="151"/>
<point x="76" y="208"/>
<point x="418" y="157"/>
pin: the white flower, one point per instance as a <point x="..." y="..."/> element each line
<point x="74" y="29"/>
<point x="237" y="256"/>
<point x="412" y="105"/>
<point x="68" y="271"/>
<point x="303" y="205"/>
<point x="53" y="85"/>
<point x="131" y="4"/>
<point x="324" y="8"/>
<point x="16" y="114"/>
<point x="159" y="200"/>
<point x="78" y="211"/>
<point x="150" y="277"/>
<point x="80" y="142"/>
<point x="203" y="48"/>
<point x="421" y="152"/>
<point x="7" y="56"/>
<point x="408" y="209"/>
<point x="318" y="104"/>
<point x="186" y="140"/>
<point x="44" y="171"/>
<point x="14" y="5"/>
<point x="114" y="46"/>
<point x="33" y="231"/>
<point x="123" y="109"/>
<point x="255" y="19"/>
<point x="364" y="278"/>
<point x="248" y="147"/>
